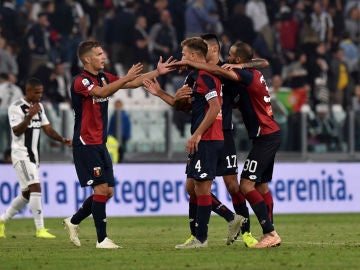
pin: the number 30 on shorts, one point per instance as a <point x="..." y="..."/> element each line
<point x="250" y="165"/>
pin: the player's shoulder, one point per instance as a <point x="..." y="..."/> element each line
<point x="205" y="74"/>
<point x="17" y="103"/>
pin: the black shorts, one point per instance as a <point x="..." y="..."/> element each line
<point x="93" y="165"/>
<point x="229" y="164"/>
<point x="259" y="164"/>
<point x="203" y="164"/>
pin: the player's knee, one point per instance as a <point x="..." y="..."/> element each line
<point x="246" y="186"/>
<point x="110" y="194"/>
<point x="26" y="194"/>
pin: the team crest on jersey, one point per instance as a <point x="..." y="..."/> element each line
<point x="97" y="171"/>
<point x="86" y="82"/>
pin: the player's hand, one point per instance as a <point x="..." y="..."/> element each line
<point x="183" y="92"/>
<point x="67" y="142"/>
<point x="152" y="86"/>
<point x="164" y="68"/>
<point x="180" y="65"/>
<point x="34" y="109"/>
<point x="192" y="144"/>
<point x="134" y="72"/>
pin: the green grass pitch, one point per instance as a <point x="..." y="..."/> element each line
<point x="316" y="241"/>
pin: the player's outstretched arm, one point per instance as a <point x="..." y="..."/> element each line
<point x="254" y="63"/>
<point x="111" y="88"/>
<point x="52" y="133"/>
<point x="211" y="68"/>
<point x="154" y="88"/>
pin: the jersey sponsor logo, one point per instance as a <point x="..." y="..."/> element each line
<point x="203" y="175"/>
<point x="97" y="171"/>
<point x="99" y="99"/>
<point x="211" y="94"/>
<point x="35" y="124"/>
<point x="252" y="177"/>
<point x="90" y="182"/>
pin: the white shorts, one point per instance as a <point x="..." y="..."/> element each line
<point x="27" y="173"/>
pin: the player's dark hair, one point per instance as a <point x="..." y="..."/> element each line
<point x="196" y="44"/>
<point x="244" y="50"/>
<point x="211" y="37"/>
<point x="33" y="83"/>
<point x="85" y="47"/>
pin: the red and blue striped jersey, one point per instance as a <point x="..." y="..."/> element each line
<point x="91" y="112"/>
<point x="254" y="102"/>
<point x="205" y="87"/>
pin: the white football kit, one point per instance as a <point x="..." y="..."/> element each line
<point x="25" y="148"/>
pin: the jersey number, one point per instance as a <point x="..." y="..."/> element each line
<point x="250" y="165"/>
<point x="231" y="161"/>
<point x="198" y="166"/>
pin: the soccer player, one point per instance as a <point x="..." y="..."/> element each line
<point x="255" y="106"/>
<point x="90" y="92"/>
<point x="206" y="143"/>
<point x="27" y="116"/>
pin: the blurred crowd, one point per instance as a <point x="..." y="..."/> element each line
<point x="312" y="46"/>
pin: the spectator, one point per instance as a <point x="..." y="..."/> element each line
<point x="9" y="21"/>
<point x="246" y="32"/>
<point x="295" y="74"/>
<point x="352" y="23"/>
<point x="336" y="12"/>
<point x="197" y="19"/>
<point x="323" y="132"/>
<point x="256" y="11"/>
<point x="8" y="62"/>
<point x="177" y="10"/>
<point x="351" y="52"/>
<point x="120" y="128"/>
<point x="9" y="92"/>
<point x="121" y="46"/>
<point x="38" y="42"/>
<point x="164" y="40"/>
<point x="142" y="43"/>
<point x="322" y="23"/>
<point x="289" y="30"/>
<point x="340" y="79"/>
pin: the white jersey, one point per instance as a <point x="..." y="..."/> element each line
<point x="26" y="146"/>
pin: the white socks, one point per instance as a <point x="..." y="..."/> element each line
<point x="36" y="209"/>
<point x="15" y="207"/>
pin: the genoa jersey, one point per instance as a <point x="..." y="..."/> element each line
<point x="205" y="87"/>
<point x="91" y="112"/>
<point x="26" y="146"/>
<point x="254" y="103"/>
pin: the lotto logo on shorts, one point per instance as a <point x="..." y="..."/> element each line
<point x="97" y="171"/>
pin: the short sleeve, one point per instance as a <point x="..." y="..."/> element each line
<point x="83" y="86"/>
<point x="16" y="116"/>
<point x="44" y="119"/>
